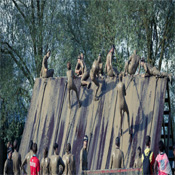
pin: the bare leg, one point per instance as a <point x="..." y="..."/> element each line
<point x="121" y="120"/>
<point x="126" y="68"/>
<point x="84" y="78"/>
<point x="79" y="104"/>
<point x="50" y="73"/>
<point x="127" y="112"/>
<point x="96" y="82"/>
<point x="69" y="98"/>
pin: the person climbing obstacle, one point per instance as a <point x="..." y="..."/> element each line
<point x="123" y="107"/>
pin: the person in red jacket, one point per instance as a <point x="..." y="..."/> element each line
<point x="34" y="162"/>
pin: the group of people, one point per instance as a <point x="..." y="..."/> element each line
<point x="52" y="165"/>
<point x="96" y="76"/>
<point x="146" y="160"/>
<point x="66" y="165"/>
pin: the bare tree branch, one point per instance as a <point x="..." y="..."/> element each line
<point x="21" y="64"/>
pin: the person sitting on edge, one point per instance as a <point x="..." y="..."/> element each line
<point x="108" y="66"/>
<point x="84" y="72"/>
<point x="45" y="72"/>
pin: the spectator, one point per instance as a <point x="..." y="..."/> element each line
<point x="34" y="161"/>
<point x="148" y="158"/>
<point x="138" y="160"/>
<point x="69" y="161"/>
<point x="9" y="147"/>
<point x="56" y="161"/>
<point x="45" y="163"/>
<point x="162" y="161"/>
<point x="117" y="160"/>
<point x="27" y="159"/>
<point x="84" y="155"/>
<point x="16" y="157"/>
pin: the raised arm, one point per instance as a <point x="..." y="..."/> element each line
<point x="124" y="89"/>
<point x="155" y="167"/>
<point x="81" y="160"/>
<point x="62" y="164"/>
<point x="76" y="68"/>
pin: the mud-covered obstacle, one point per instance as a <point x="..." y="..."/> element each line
<point x="50" y="120"/>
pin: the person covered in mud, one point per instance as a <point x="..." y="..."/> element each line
<point x="152" y="71"/>
<point x="100" y="67"/>
<point x="117" y="158"/>
<point x="123" y="107"/>
<point x="27" y="159"/>
<point x="69" y="161"/>
<point x="45" y="72"/>
<point x="71" y="84"/>
<point x="132" y="64"/>
<point x="45" y="163"/>
<point x="84" y="155"/>
<point x="55" y="162"/>
<point x="108" y="66"/>
<point x="83" y="72"/>
<point x="138" y="160"/>
<point x="78" y="68"/>
<point x="94" y="75"/>
<point x="16" y="157"/>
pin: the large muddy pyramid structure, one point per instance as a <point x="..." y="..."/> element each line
<point x="50" y="120"/>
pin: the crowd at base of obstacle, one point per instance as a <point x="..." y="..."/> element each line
<point x="67" y="165"/>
